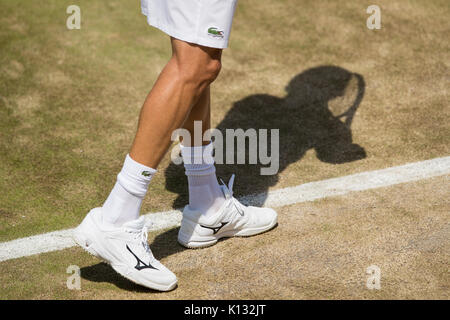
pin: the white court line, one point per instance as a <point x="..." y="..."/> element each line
<point x="59" y="240"/>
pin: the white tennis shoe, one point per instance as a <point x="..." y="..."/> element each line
<point x="233" y="219"/>
<point x="125" y="249"/>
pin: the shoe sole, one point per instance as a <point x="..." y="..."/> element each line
<point x="249" y="232"/>
<point x="82" y="237"/>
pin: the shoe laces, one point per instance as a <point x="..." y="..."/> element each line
<point x="141" y="236"/>
<point x="229" y="195"/>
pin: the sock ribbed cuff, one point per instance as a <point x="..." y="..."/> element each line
<point x="135" y="177"/>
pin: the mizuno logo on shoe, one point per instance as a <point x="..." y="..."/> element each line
<point x="140" y="264"/>
<point x="215" y="229"/>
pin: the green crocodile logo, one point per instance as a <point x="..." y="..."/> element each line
<point x="146" y="173"/>
<point x="213" y="31"/>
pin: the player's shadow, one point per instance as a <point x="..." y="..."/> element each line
<point x="316" y="113"/>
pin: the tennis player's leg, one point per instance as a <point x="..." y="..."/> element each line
<point x="213" y="212"/>
<point x="115" y="232"/>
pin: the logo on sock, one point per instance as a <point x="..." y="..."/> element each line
<point x="146" y="173"/>
<point x="215" y="229"/>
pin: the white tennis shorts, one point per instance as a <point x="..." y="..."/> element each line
<point x="204" y="22"/>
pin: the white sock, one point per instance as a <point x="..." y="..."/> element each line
<point x="125" y="200"/>
<point x="205" y="194"/>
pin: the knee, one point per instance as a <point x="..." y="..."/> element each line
<point x="200" y="73"/>
<point x="211" y="70"/>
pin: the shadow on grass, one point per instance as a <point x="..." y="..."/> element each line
<point x="103" y="272"/>
<point x="316" y="113"/>
<point x="166" y="244"/>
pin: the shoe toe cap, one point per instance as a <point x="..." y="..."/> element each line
<point x="161" y="278"/>
<point x="263" y="216"/>
<point x="271" y="215"/>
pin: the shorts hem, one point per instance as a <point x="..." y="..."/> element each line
<point x="184" y="37"/>
<point x="189" y="38"/>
